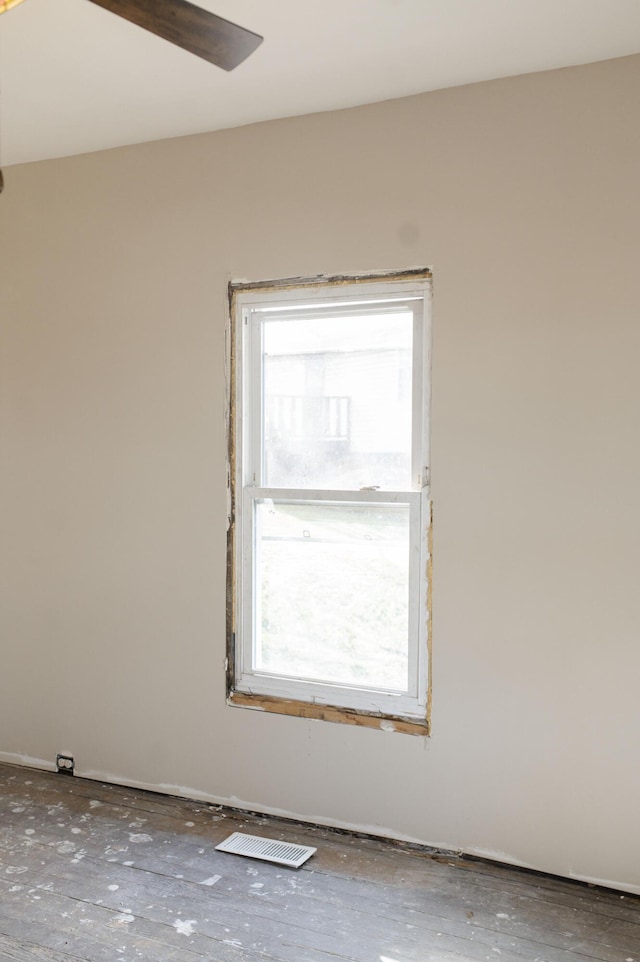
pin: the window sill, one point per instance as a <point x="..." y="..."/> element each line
<point x="345" y="716"/>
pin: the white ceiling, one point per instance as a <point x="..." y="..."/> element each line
<point x="75" y="78"/>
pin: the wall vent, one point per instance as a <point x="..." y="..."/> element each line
<point x="267" y="849"/>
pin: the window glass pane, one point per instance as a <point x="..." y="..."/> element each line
<point x="337" y="401"/>
<point x="332" y="592"/>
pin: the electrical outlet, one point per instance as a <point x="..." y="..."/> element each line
<point x="65" y="764"/>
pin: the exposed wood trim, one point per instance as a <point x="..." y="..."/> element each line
<point x="325" y="280"/>
<point x="331" y="713"/>
<point x="231" y="600"/>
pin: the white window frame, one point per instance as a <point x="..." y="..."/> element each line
<point x="250" y="304"/>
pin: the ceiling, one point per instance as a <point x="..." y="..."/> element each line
<point x="75" y="78"/>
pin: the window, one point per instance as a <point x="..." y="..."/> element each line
<point x="329" y="542"/>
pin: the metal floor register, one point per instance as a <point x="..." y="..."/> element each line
<point x="266" y="849"/>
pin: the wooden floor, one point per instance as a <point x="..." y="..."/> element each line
<point x="105" y="874"/>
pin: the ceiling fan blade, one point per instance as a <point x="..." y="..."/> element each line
<point x="208" y="36"/>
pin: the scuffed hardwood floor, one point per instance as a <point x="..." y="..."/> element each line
<point x="101" y="873"/>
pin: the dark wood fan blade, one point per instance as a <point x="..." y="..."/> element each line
<point x="217" y="40"/>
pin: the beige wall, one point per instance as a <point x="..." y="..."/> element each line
<point x="523" y="195"/>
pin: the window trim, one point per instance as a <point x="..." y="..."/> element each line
<point x="396" y="714"/>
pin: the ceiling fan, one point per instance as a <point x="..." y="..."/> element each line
<point x="204" y="34"/>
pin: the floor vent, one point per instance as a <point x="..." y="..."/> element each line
<point x="267" y="849"/>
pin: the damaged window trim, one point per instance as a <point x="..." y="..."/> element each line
<point x="330" y="713"/>
<point x="286" y="704"/>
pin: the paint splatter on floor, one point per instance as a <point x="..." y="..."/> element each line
<point x="185" y="927"/>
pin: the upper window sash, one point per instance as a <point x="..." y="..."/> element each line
<point x="256" y="313"/>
